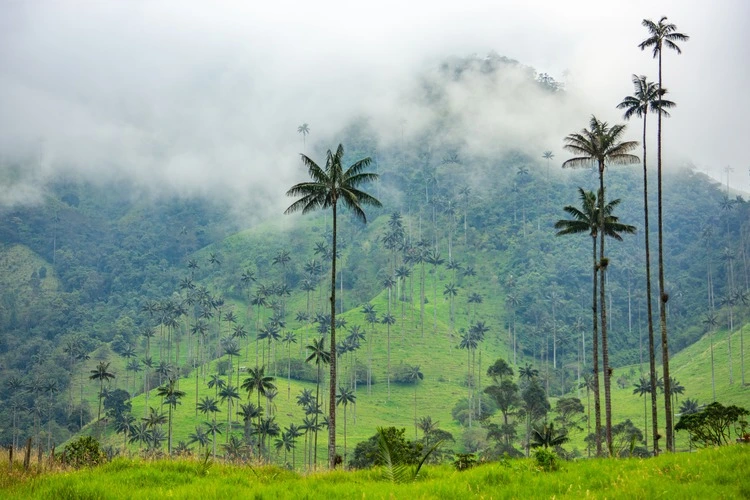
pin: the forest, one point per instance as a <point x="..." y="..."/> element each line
<point x="448" y="299"/>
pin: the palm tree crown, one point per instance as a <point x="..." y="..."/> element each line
<point x="586" y="218"/>
<point x="662" y="34"/>
<point x="600" y="144"/>
<point x="645" y="98"/>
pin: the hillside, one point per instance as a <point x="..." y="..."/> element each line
<point x="464" y="241"/>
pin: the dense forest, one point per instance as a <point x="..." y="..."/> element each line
<point x="175" y="288"/>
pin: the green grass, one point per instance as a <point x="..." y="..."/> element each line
<point x="711" y="473"/>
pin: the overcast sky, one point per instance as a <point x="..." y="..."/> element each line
<point x="202" y="97"/>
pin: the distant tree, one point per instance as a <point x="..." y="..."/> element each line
<point x="320" y="356"/>
<point x="102" y="374"/>
<point x="499" y="370"/>
<point x="304" y="129"/>
<point x="345" y="397"/>
<point x="172" y="396"/>
<point x="535" y="405"/>
<point x="415" y="375"/>
<point x="388" y="319"/>
<point x="328" y="186"/>
<point x="642" y="388"/>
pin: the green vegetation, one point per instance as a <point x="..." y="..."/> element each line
<point x="710" y="473"/>
<point x="187" y="326"/>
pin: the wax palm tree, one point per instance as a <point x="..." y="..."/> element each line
<point x="587" y="220"/>
<point x="388" y="319"/>
<point x="172" y="396"/>
<point x="642" y="388"/>
<point x="258" y="382"/>
<point x="209" y="405"/>
<point x="414" y="376"/>
<point x="433" y="257"/>
<point x="327" y="187"/>
<point x="450" y="291"/>
<point x="661" y="34"/>
<point x="229" y="394"/>
<point x="214" y="428"/>
<point x="345" y="397"/>
<point x="102" y="374"/>
<point x="711" y="320"/>
<point x="304" y="129"/>
<point x="200" y="436"/>
<point x="289" y="339"/>
<point x="216" y="383"/>
<point x="320" y="356"/>
<point x="645" y="98"/>
<point x="140" y="433"/>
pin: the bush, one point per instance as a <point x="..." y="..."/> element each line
<point x="299" y="370"/>
<point x="83" y="452"/>
<point x="464" y="461"/>
<point x="367" y="453"/>
<point x="546" y="459"/>
<point x="460" y="411"/>
<point x="402" y="374"/>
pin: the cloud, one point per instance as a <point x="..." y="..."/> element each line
<point x="199" y="98"/>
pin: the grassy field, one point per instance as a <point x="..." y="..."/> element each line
<point x="710" y="473"/>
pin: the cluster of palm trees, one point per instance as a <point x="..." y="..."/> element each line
<point x="602" y="144"/>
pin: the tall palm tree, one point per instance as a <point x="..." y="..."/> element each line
<point x="320" y="356"/>
<point x="388" y="319"/>
<point x="415" y="375"/>
<point x="229" y="394"/>
<point x="344" y="397"/>
<point x="647" y="97"/>
<point x="601" y="145"/>
<point x="641" y="388"/>
<point x="102" y="374"/>
<point x="661" y="34"/>
<point x="304" y="129"/>
<point x="258" y="382"/>
<point x="327" y="187"/>
<point x="711" y="320"/>
<point x="587" y="220"/>
<point x="172" y="396"/>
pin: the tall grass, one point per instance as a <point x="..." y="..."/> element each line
<point x="712" y="473"/>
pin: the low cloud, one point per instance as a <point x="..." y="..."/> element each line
<point x="198" y="99"/>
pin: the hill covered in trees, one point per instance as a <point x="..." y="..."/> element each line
<point x="461" y="266"/>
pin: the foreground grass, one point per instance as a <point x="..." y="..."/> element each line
<point x="713" y="473"/>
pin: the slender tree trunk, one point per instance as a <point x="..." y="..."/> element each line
<point x="332" y="388"/>
<point x="603" y="305"/>
<point x="663" y="296"/>
<point x="649" y="303"/>
<point x="595" y="357"/>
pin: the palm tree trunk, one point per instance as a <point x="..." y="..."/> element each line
<point x="603" y="304"/>
<point x="664" y="297"/>
<point x="649" y="304"/>
<point x="332" y="384"/>
<point x="595" y="359"/>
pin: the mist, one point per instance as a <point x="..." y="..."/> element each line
<point x="192" y="98"/>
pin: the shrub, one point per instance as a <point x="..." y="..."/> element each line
<point x="402" y="374"/>
<point x="299" y="370"/>
<point x="546" y="459"/>
<point x="83" y="452"/>
<point x="464" y="461"/>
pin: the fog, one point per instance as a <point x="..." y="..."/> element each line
<point x="203" y="98"/>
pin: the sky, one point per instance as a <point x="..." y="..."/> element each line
<point x="204" y="98"/>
